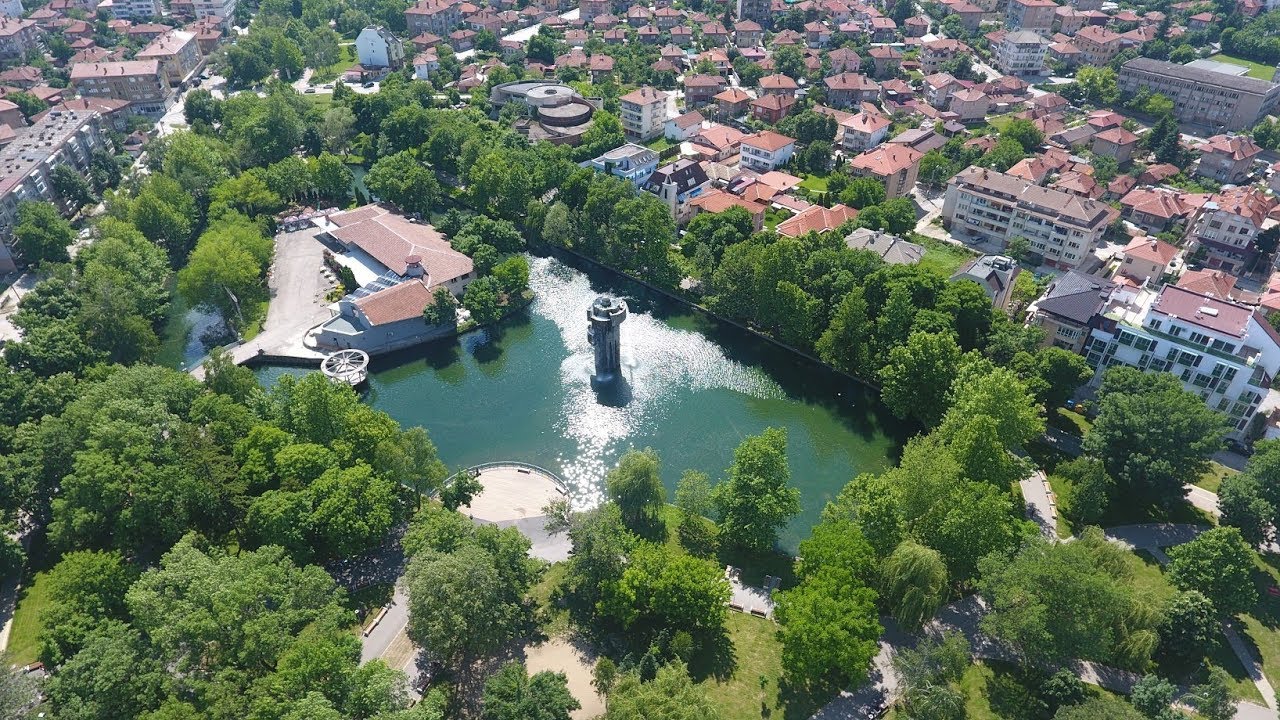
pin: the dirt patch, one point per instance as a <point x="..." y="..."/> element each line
<point x="576" y="662"/>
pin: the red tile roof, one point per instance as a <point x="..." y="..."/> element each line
<point x="816" y="219"/>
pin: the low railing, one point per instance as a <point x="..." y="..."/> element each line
<point x="517" y="466"/>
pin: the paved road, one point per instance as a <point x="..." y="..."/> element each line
<point x="1041" y="507"/>
<point x="521" y="35"/>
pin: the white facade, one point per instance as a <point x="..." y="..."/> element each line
<point x="221" y="9"/>
<point x="376" y="47"/>
<point x="644" y="113"/>
<point x="1021" y="53"/>
<point x="1224" y="352"/>
<point x="11" y="8"/>
<point x="764" y="159"/>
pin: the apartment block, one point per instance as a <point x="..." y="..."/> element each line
<point x="17" y="38"/>
<point x="1225" y="352"/>
<point x="178" y="53"/>
<point x="1034" y="15"/>
<point x="438" y="17"/>
<point x="59" y="137"/>
<point x="1097" y="45"/>
<point x="936" y="52"/>
<point x="894" y="164"/>
<point x="140" y="82"/>
<point x="1062" y="227"/>
<point x="767" y="150"/>
<point x="1021" y="53"/>
<point x="644" y="113"/>
<point x="138" y="10"/>
<point x="1200" y="96"/>
<point x="1227" y="227"/>
<point x="223" y="10"/>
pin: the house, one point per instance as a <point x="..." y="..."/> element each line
<point x="1021" y="53"/>
<point x="1200" y="21"/>
<point x="864" y="131"/>
<point x="1146" y="260"/>
<point x="677" y="185"/>
<point x="778" y="84"/>
<point x="885" y="61"/>
<point x="995" y="274"/>
<point x="1213" y="283"/>
<point x="771" y="109"/>
<point x="766" y="150"/>
<point x="600" y="66"/>
<point x="631" y="162"/>
<point x="1115" y="142"/>
<point x="748" y="33"/>
<point x="938" y="89"/>
<point x="1070" y="307"/>
<point x="1228" y="158"/>
<point x="1155" y="209"/>
<point x="891" y="248"/>
<point x="1034" y="15"/>
<point x="1063" y="228"/>
<point x="683" y="127"/>
<point x="718" y="142"/>
<point x="894" y="165"/>
<point x="970" y="105"/>
<point x="699" y="89"/>
<point x="816" y="34"/>
<point x="439" y="17"/>
<point x="849" y="89"/>
<point x="425" y="63"/>
<point x="718" y="201"/>
<point x="732" y="103"/>
<point x="816" y="219"/>
<point x="936" y="52"/>
<point x="644" y="113"/>
<point x="845" y="60"/>
<point x="715" y="34"/>
<point x="1227" y="227"/>
<point x="1223" y="351"/>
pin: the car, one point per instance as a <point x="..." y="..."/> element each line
<point x="309" y="91"/>
<point x="327" y="86"/>
<point x="368" y="84"/>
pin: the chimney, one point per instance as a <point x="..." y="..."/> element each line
<point x="413" y="266"/>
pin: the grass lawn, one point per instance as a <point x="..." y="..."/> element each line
<point x="1000" y="122"/>
<point x="1256" y="70"/>
<point x="773" y="216"/>
<point x="1000" y="691"/>
<point x="254" y="316"/>
<point x="659" y="143"/>
<point x="1069" y="421"/>
<point x="753" y="689"/>
<point x="321" y="101"/>
<point x="551" y="619"/>
<point x="1061" y="490"/>
<point x="346" y="58"/>
<point x="1214" y="476"/>
<point x="814" y="183"/>
<point x="941" y="256"/>
<point x="1261" y="628"/>
<point x="24" y="636"/>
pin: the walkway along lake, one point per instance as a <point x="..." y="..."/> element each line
<point x="694" y="387"/>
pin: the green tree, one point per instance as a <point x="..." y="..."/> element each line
<point x="913" y="582"/>
<point x="1098" y="85"/>
<point x="70" y="186"/>
<point x="443" y="309"/>
<point x="86" y="590"/>
<point x="918" y="376"/>
<point x="863" y="192"/>
<point x="670" y="695"/>
<point x="1025" y="132"/>
<point x="114" y="676"/>
<point x="754" y="500"/>
<point x="845" y="344"/>
<point x="458" y="609"/>
<point x="1101" y="708"/>
<point x="41" y="234"/>
<point x="483" y="301"/>
<point x="1189" y="626"/>
<point x="1090" y="490"/>
<point x="1006" y="153"/>
<point x="1214" y="699"/>
<point x="693" y="493"/>
<point x="1152" y="696"/>
<point x="930" y="673"/>
<point x="828" y="628"/>
<point x="635" y="485"/>
<point x="666" y="589"/>
<point x="1219" y="564"/>
<point x="511" y="694"/>
<point x="1152" y="435"/>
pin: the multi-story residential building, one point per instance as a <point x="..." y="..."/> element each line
<point x="759" y="10"/>
<point x="132" y="9"/>
<point x="938" y="89"/>
<point x="441" y="17"/>
<point x="1034" y="15"/>
<point x="936" y="52"/>
<point x="1147" y="260"/>
<point x="178" y="53"/>
<point x="864" y="131"/>
<point x="893" y="164"/>
<point x="970" y="105"/>
<point x="140" y="82"/>
<point x="223" y="10"/>
<point x="1097" y="45"/>
<point x="1155" y="209"/>
<point x="1021" y="53"/>
<point x="678" y="185"/>
<point x="631" y="162"/>
<point x="748" y="34"/>
<point x="1200" y="96"/>
<point x="60" y="137"/>
<point x="771" y="109"/>
<point x="1228" y="158"/>
<point x="1070" y="307"/>
<point x="18" y="37"/>
<point x="766" y="150"/>
<point x="778" y="84"/>
<point x="1227" y="227"/>
<point x="1225" y="352"/>
<point x="644" y="113"/>
<point x="885" y="61"/>
<point x="11" y="8"/>
<point x="1115" y="142"/>
<point x="377" y="47"/>
<point x="1062" y="227"/>
<point x="699" y="89"/>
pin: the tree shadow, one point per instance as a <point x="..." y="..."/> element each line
<point x="715" y="657"/>
<point x="800" y="702"/>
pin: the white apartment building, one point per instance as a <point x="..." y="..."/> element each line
<point x="376" y="47"/>
<point x="1062" y="227"/>
<point x="1223" y="351"/>
<point x="11" y="8"/>
<point x="132" y="9"/>
<point x="223" y="10"/>
<point x="864" y="131"/>
<point x="1021" y="53"/>
<point x="26" y="164"/>
<point x="644" y="113"/>
<point x="766" y="150"/>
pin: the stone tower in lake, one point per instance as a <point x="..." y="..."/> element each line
<point x="605" y="317"/>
